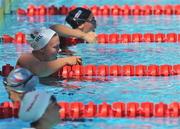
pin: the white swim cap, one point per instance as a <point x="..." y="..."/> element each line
<point x="21" y="80"/>
<point x="34" y="105"/>
<point x="42" y="38"/>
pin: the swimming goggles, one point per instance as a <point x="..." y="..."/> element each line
<point x="92" y="21"/>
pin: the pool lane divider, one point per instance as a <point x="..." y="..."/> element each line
<point x="114" y="38"/>
<point x="79" y="110"/>
<point x="80" y="71"/>
<point x="106" y="10"/>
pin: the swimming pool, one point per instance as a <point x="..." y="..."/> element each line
<point x="125" y="89"/>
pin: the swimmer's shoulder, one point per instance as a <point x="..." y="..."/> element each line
<point x="25" y="58"/>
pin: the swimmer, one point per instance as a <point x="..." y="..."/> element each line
<point x="43" y="61"/>
<point x="40" y="109"/>
<point x="80" y="19"/>
<point x="19" y="82"/>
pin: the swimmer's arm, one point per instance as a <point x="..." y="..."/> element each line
<point x="65" y="31"/>
<point x="45" y="69"/>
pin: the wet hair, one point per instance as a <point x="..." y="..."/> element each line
<point x="77" y="17"/>
<point x="34" y="124"/>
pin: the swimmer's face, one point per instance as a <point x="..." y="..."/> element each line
<point x="89" y="25"/>
<point x="13" y="96"/>
<point x="52" y="48"/>
<point x="52" y="111"/>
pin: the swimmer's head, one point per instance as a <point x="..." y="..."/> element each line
<point x="40" y="39"/>
<point x="82" y="19"/>
<point x="39" y="106"/>
<point x="18" y="82"/>
<point x="46" y="43"/>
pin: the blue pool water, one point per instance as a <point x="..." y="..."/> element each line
<point x="126" y="89"/>
<point x="154" y="24"/>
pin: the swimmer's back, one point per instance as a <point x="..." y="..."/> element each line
<point x="27" y="60"/>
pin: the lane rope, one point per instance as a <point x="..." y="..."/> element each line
<point x="78" y="110"/>
<point x="78" y="71"/>
<point x="106" y="10"/>
<point x="114" y="38"/>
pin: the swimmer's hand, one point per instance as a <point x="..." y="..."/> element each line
<point x="73" y="60"/>
<point x="90" y="37"/>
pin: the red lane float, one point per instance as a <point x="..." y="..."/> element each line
<point x="113" y="38"/>
<point x="52" y="10"/>
<point x="9" y="110"/>
<point x="7" y="39"/>
<point x="105" y="10"/>
<point x="78" y="110"/>
<point x="20" y="38"/>
<point x="113" y="70"/>
<point x="138" y="37"/>
<point x="147" y="10"/>
<point x="117" y="70"/>
<point x="6" y="69"/>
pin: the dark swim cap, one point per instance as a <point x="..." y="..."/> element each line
<point x="77" y="17"/>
